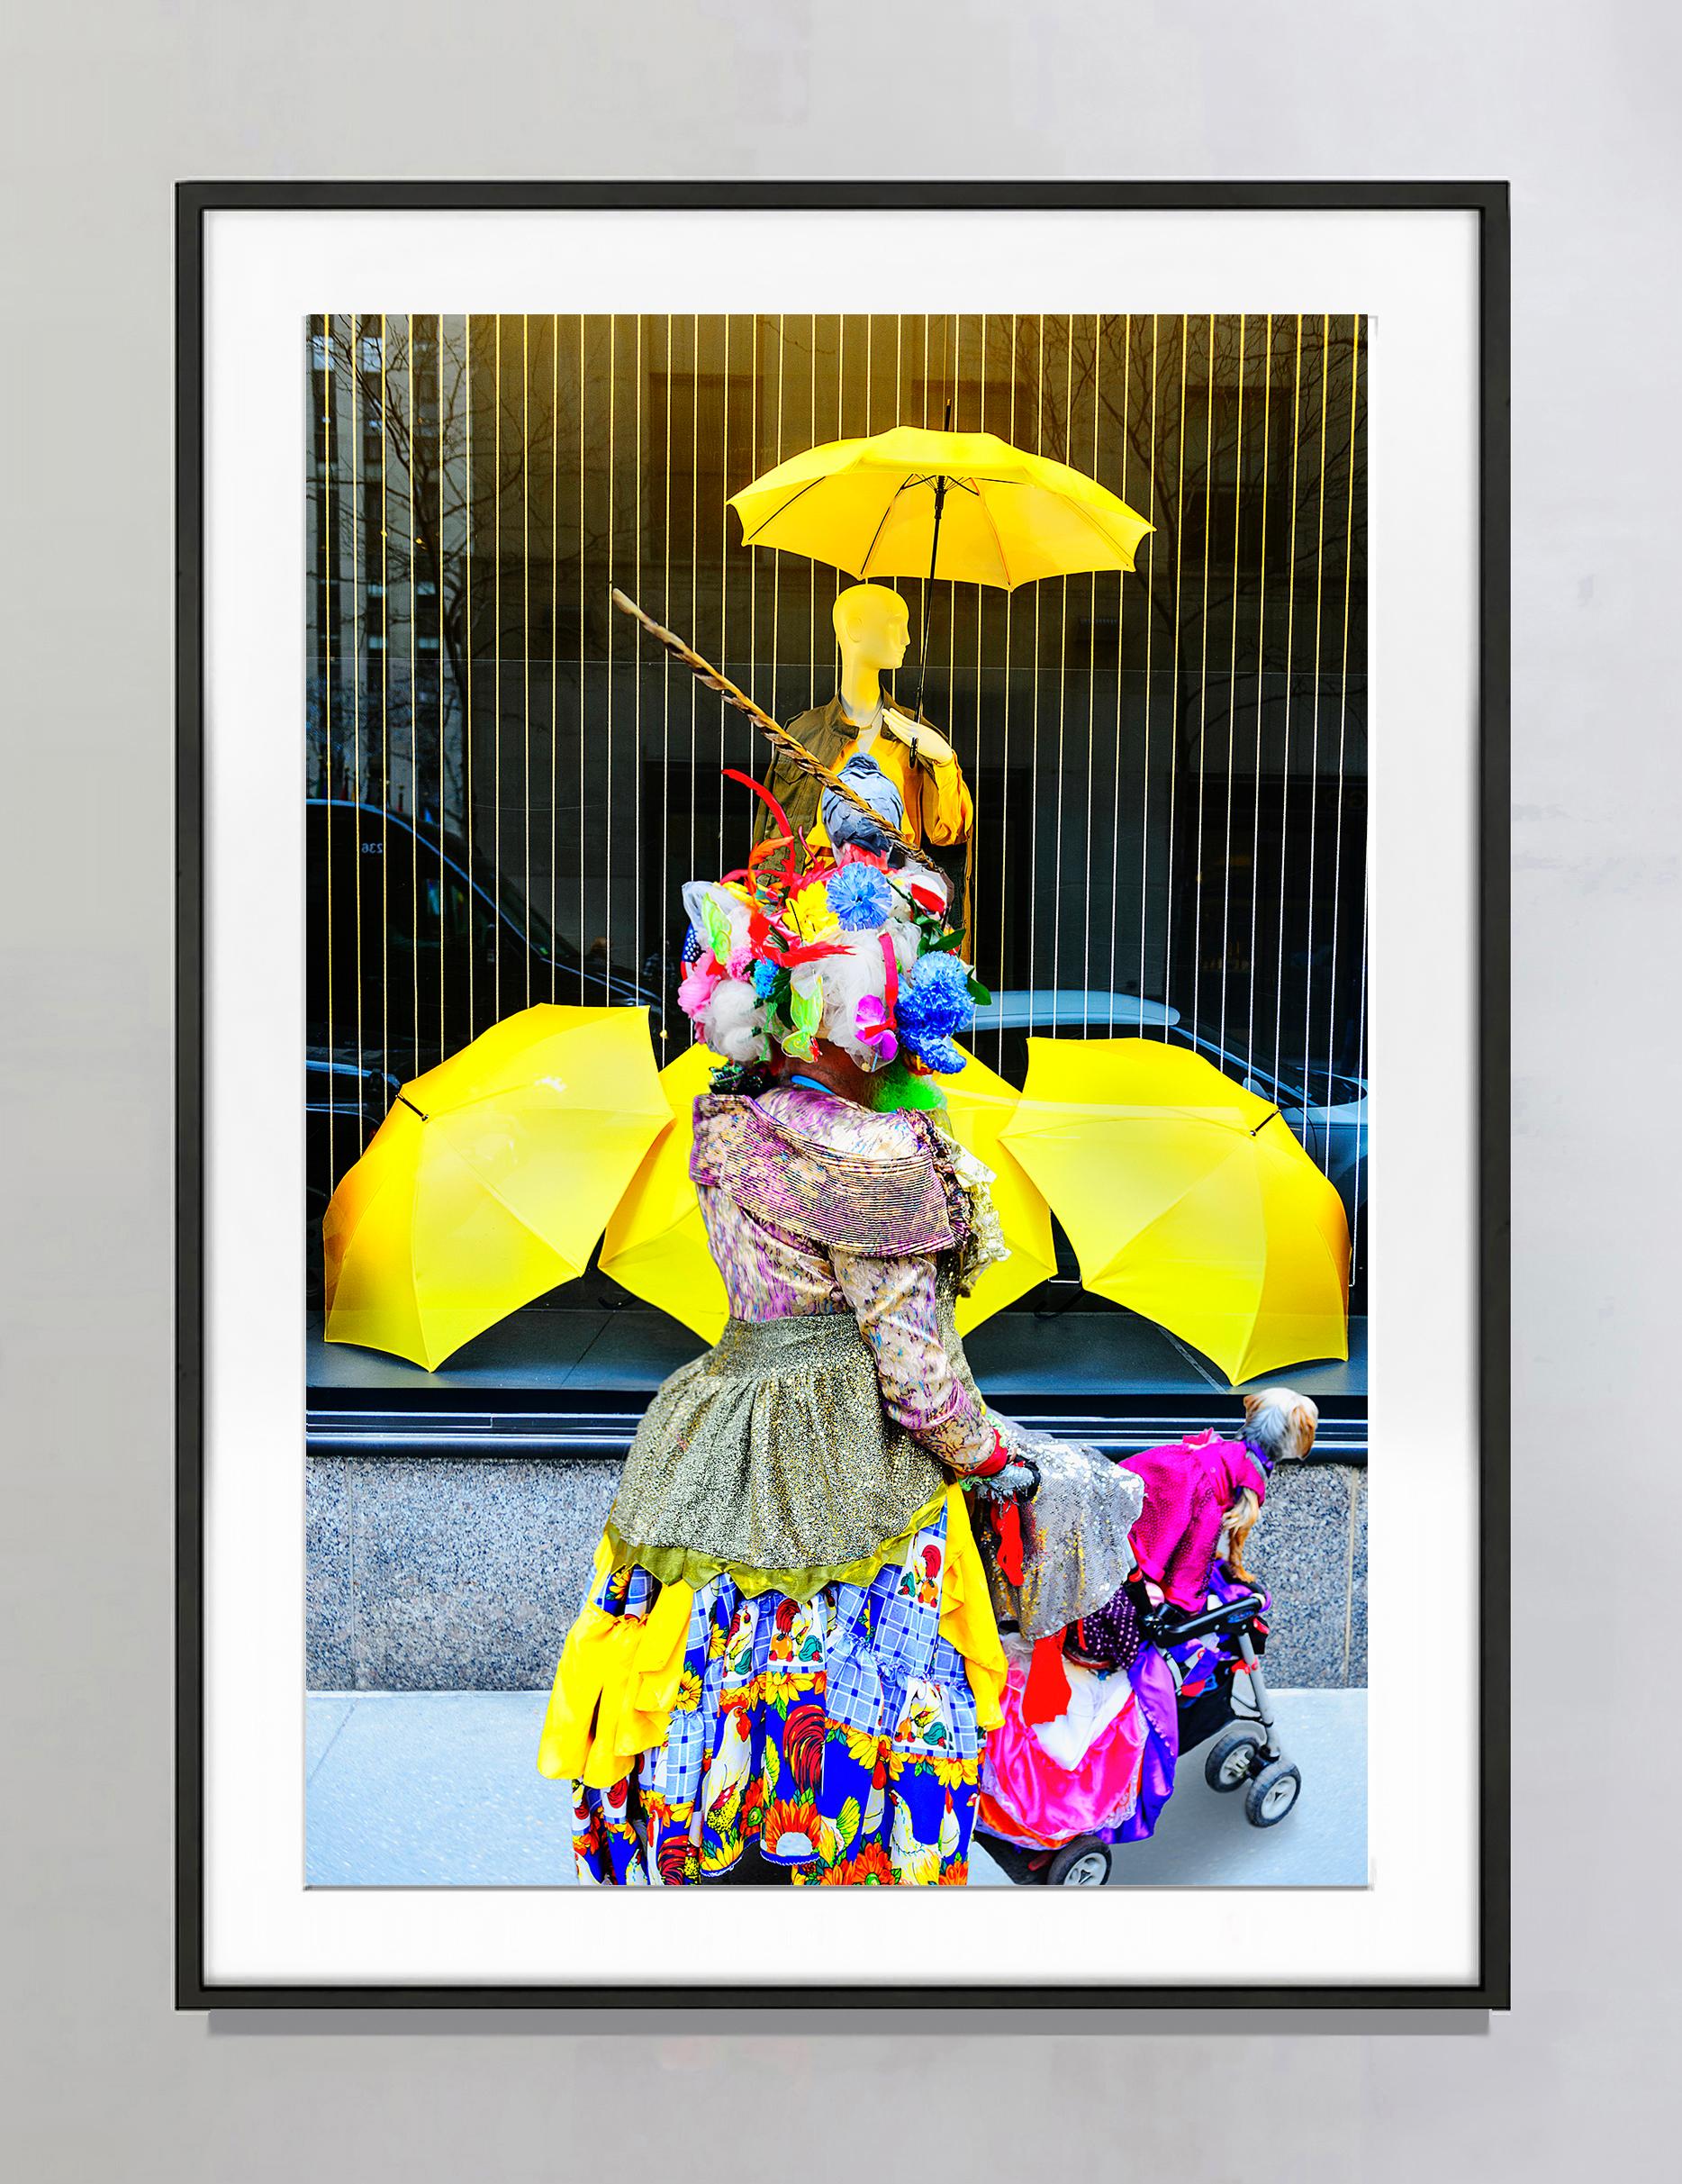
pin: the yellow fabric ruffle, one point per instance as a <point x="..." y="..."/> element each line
<point x="615" y="1687"/>
<point x="967" y="1622"/>
<point x="618" y="1675"/>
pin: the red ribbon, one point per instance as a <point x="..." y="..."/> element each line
<point x="1007" y="1531"/>
<point x="758" y="787"/>
<point x="1047" y="1692"/>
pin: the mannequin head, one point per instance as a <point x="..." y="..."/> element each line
<point x="872" y="628"/>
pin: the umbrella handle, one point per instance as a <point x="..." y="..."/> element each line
<point x="928" y="589"/>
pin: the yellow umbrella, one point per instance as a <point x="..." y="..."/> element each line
<point x="1188" y="1200"/>
<point x="979" y="1104"/>
<point x="491" y="1180"/>
<point x="966" y="506"/>
<point x="655" y="1244"/>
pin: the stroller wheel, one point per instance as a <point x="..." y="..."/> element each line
<point x="1231" y="1763"/>
<point x="1272" y="1794"/>
<point x="1080" y="1864"/>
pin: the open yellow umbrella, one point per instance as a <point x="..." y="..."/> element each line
<point x="1188" y="1200"/>
<point x="491" y="1180"/>
<point x="979" y="1104"/>
<point x="655" y="1244"/>
<point x="966" y="506"/>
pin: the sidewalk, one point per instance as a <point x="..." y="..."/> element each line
<point x="440" y="1789"/>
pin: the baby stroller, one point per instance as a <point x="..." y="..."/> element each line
<point x="1043" y="1789"/>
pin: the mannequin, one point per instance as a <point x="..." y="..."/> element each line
<point x="873" y="630"/>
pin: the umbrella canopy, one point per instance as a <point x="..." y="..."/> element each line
<point x="655" y="1244"/>
<point x="1188" y="1200"/>
<point x="965" y="506"/>
<point x="491" y="1180"/>
<point x="979" y="1104"/>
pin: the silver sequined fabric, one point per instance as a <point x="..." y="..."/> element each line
<point x="1075" y="1552"/>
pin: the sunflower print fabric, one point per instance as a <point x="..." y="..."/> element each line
<point x="839" y="1735"/>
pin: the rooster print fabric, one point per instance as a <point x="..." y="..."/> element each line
<point x="838" y="1736"/>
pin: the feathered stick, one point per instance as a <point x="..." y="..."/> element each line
<point x="705" y="672"/>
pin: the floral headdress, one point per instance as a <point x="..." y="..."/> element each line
<point x="838" y="944"/>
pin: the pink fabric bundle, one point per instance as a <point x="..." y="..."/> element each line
<point x="1188" y="1488"/>
<point x="1049" y="1800"/>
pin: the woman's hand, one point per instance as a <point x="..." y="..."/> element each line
<point x="925" y="742"/>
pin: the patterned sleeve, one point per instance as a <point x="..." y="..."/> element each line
<point x="894" y="1299"/>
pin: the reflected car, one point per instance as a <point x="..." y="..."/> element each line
<point x="411" y="954"/>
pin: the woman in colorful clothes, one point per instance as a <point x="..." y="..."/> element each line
<point x="788" y="1659"/>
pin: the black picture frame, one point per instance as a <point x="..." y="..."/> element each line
<point x="1488" y="201"/>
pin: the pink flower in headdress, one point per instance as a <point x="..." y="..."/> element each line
<point x="874" y="1019"/>
<point x="697" y="988"/>
<point x="874" y="1026"/>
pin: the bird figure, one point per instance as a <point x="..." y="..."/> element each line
<point x="848" y="826"/>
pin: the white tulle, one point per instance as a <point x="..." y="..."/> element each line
<point x="733" y="1023"/>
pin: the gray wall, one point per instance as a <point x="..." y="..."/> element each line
<point x="442" y="1573"/>
<point x="116" y="99"/>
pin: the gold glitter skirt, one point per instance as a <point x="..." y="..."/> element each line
<point x="772" y="1457"/>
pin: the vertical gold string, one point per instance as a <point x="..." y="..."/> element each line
<point x="636" y="665"/>
<point x="665" y="711"/>
<point x="776" y="558"/>
<point x="607" y="817"/>
<point x="385" y="754"/>
<point x="1091" y="708"/>
<point x="974" y="938"/>
<point x="1255" y="836"/>
<point x="1150" y="623"/>
<point x="1232" y="687"/>
<point x="327" y="629"/>
<point x="1062" y="684"/>
<point x="1121" y="679"/>
<point x="1034" y="741"/>
<point x="554" y="660"/>
<point x="496" y="677"/>
<point x="694" y="574"/>
<point x="724" y="560"/>
<point x="1004" y="800"/>
<point x="1290" y="656"/>
<point x="525" y="518"/>
<point x="835" y="591"/>
<point x="1314" y="763"/>
<point x="355" y="670"/>
<point x="1203" y="675"/>
<point x="1174" y="718"/>
<point x="811" y="608"/>
<point x="469" y="646"/>
<point x="1343" y="716"/>
<point x="582" y="622"/>
<point x="443" y="891"/>
<point x="415" y="770"/>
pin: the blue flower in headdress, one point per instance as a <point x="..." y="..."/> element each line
<point x="934" y="1002"/>
<point x="765" y="978"/>
<point x="860" y="897"/>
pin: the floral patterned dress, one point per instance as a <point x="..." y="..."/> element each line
<point x="789" y="1641"/>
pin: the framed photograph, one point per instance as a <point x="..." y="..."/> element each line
<point x="843" y="1095"/>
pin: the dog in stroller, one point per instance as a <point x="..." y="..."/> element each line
<point x="1099" y="1714"/>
